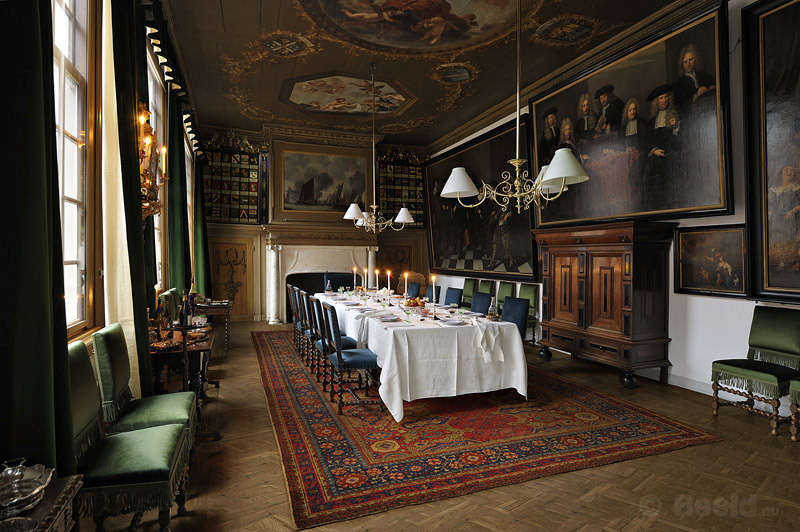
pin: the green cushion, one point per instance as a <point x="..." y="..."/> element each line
<point x="157" y="410"/>
<point x="757" y="376"/>
<point x="794" y="391"/>
<point x="113" y="369"/>
<point x="504" y="290"/>
<point x="776" y="329"/>
<point x="85" y="399"/>
<point x="531" y="293"/>
<point x="141" y="456"/>
<point x="486" y="286"/>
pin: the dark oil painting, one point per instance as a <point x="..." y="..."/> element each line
<point x="649" y="128"/>
<point x="483" y="240"/>
<point x="711" y="260"/>
<point x="772" y="55"/>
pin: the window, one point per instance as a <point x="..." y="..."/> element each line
<point x="157" y="91"/>
<point x="73" y="76"/>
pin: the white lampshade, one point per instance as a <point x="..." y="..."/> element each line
<point x="548" y="189"/>
<point x="354" y="212"/>
<point x="404" y="217"/>
<point x="360" y="222"/>
<point x="565" y="168"/>
<point x="459" y="184"/>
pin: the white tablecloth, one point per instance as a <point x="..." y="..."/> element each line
<point x="425" y="358"/>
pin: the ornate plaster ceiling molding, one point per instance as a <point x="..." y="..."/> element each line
<point x="328" y="137"/>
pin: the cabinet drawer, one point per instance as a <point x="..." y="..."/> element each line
<point x="568" y="341"/>
<point x="603" y="349"/>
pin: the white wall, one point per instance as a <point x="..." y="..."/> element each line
<point x="704" y="329"/>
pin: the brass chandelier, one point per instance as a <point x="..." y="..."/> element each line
<point x="375" y="221"/>
<point x="552" y="181"/>
<point x="150" y="176"/>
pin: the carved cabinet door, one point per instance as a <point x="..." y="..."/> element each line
<point x="605" y="312"/>
<point x="567" y="299"/>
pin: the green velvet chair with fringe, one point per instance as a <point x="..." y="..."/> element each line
<point x="772" y="362"/>
<point x="531" y="293"/>
<point x="470" y="286"/>
<point x="121" y="412"/>
<point x="794" y="396"/>
<point x="127" y="472"/>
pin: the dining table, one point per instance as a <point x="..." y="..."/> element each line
<point x="421" y="357"/>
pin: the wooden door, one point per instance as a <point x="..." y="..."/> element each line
<point x="565" y="273"/>
<point x="232" y="275"/>
<point x="605" y="312"/>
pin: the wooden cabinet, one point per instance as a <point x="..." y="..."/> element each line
<point x="605" y="294"/>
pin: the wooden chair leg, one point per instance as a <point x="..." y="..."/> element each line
<point x="98" y="522"/>
<point x="715" y="397"/>
<point x="180" y="497"/>
<point x="135" y="520"/>
<point x="163" y="519"/>
<point x="773" y="421"/>
<point x="794" y="427"/>
<point x="332" y="382"/>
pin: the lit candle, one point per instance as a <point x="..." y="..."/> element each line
<point x="355" y="269"/>
<point x="141" y="125"/>
<point x="388" y="280"/>
<point x="377" y="283"/>
<point x="406" y="274"/>
<point x="434" y="292"/>
<point x="366" y="276"/>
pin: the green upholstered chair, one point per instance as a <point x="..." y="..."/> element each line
<point x="531" y="293"/>
<point x="127" y="472"/>
<point x="772" y="362"/>
<point x="120" y="411"/>
<point x="505" y="289"/>
<point x="486" y="286"/>
<point x="171" y="303"/>
<point x="794" y="396"/>
<point x="470" y="285"/>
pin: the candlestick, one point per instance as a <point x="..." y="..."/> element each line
<point x="354" y="277"/>
<point x="406" y="274"/>
<point x="366" y="276"/>
<point x="388" y="280"/>
<point x="377" y="283"/>
<point x="434" y="297"/>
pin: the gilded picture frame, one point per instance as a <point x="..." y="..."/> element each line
<point x="316" y="183"/>
<point x="771" y="47"/>
<point x="668" y="158"/>
<point x="711" y="260"/>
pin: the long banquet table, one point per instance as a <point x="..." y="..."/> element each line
<point x="421" y="358"/>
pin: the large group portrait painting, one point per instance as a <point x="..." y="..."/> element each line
<point x="482" y="240"/>
<point x="648" y="129"/>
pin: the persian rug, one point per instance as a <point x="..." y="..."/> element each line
<point x="364" y="462"/>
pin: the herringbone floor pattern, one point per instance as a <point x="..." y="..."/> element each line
<point x="749" y="481"/>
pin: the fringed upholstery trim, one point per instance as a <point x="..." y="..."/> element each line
<point x="113" y="409"/>
<point x="131" y="498"/>
<point x="776" y="357"/>
<point x="768" y="389"/>
<point x="794" y="392"/>
<point x="87" y="437"/>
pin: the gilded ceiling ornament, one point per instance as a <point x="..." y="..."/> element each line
<point x="570" y="30"/>
<point x="267" y="49"/>
<point x="447" y="73"/>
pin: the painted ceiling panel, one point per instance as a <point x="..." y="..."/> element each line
<point x="449" y="59"/>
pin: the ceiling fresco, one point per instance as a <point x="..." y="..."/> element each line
<point x="439" y="63"/>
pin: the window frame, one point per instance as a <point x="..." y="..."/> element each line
<point x="154" y="67"/>
<point x="94" y="312"/>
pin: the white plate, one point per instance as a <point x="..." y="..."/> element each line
<point x="452" y="322"/>
<point x="386" y="319"/>
<point x="474" y="314"/>
<point x="351" y="303"/>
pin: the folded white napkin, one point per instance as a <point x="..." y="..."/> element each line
<point x="361" y="322"/>
<point x="487" y="339"/>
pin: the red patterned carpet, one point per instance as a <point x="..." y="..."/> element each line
<point x="364" y="462"/>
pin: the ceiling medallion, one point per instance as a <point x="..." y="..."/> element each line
<point x="267" y="49"/>
<point x="447" y="73"/>
<point x="567" y="30"/>
<point x="403" y="29"/>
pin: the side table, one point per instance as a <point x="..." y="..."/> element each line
<point x="54" y="512"/>
<point x="217" y="309"/>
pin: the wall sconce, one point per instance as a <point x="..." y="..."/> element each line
<point x="150" y="177"/>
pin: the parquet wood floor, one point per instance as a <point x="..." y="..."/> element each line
<point x="749" y="481"/>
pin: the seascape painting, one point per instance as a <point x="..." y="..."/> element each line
<point x="320" y="182"/>
<point x="649" y="128"/>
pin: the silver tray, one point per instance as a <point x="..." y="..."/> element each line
<point x="20" y="485"/>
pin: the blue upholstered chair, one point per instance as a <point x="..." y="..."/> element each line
<point x="515" y="310"/>
<point x="453" y="295"/>
<point x="481" y="302"/>
<point x="322" y="347"/>
<point x="302" y="346"/>
<point x="348" y="360"/>
<point x="413" y="289"/>
<point x="296" y="321"/>
<point x="429" y="293"/>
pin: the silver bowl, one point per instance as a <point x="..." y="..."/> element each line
<point x="22" y="487"/>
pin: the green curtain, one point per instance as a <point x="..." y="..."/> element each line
<point x="180" y="264"/>
<point x="34" y="368"/>
<point x="128" y="24"/>
<point x="202" y="265"/>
